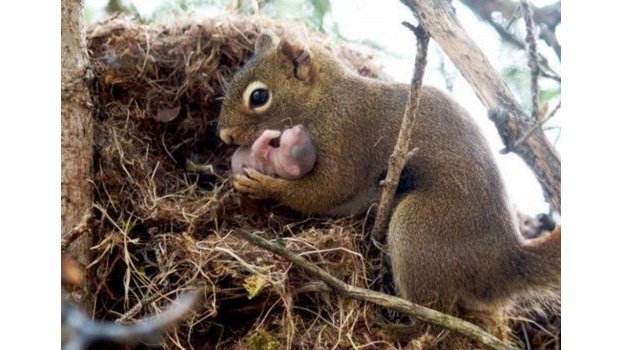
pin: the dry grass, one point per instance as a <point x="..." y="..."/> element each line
<point x="166" y="206"/>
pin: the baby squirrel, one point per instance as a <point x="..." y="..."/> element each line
<point x="293" y="157"/>
<point x="452" y="237"/>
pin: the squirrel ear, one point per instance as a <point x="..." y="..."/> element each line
<point x="266" y="41"/>
<point x="298" y="57"/>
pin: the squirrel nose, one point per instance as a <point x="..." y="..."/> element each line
<point x="225" y="136"/>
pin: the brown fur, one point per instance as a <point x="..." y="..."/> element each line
<point x="452" y="237"/>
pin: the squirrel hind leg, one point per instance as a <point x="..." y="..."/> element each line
<point x="422" y="270"/>
<point x="438" y="262"/>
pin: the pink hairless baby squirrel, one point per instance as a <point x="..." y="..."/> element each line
<point x="293" y="158"/>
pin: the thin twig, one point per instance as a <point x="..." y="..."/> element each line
<point x="391" y="302"/>
<point x="555" y="110"/>
<point x="545" y="71"/>
<point x="549" y="36"/>
<point x="552" y="76"/>
<point x="516" y="15"/>
<point x="538" y="124"/>
<point x="86" y="224"/>
<point x="139" y="305"/>
<point x="532" y="50"/>
<point x="401" y="153"/>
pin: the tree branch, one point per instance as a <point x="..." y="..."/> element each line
<point x="546" y="71"/>
<point x="401" y="153"/>
<point x="550" y="38"/>
<point x="539" y="123"/>
<point x="532" y="51"/>
<point x="547" y="17"/>
<point x="438" y="19"/>
<point x="398" y="304"/>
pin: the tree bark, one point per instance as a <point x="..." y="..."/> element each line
<point x="437" y="17"/>
<point x="76" y="134"/>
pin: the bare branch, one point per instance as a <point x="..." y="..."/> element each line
<point x="550" y="38"/>
<point x="398" y="304"/>
<point x="530" y="38"/>
<point x="554" y="111"/>
<point x="546" y="17"/>
<point x="546" y="70"/>
<point x="550" y="75"/>
<point x="549" y="15"/>
<point x="437" y="18"/>
<point x="400" y="155"/>
<point x="538" y="124"/>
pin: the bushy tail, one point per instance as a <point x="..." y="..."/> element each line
<point x="542" y="260"/>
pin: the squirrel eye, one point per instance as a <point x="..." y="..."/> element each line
<point x="257" y="97"/>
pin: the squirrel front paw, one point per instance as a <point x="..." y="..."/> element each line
<point x="258" y="185"/>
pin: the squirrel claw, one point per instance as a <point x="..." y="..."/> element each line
<point x="256" y="184"/>
<point x="241" y="185"/>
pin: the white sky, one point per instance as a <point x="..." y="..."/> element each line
<point x="379" y="21"/>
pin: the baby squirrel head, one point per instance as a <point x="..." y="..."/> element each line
<point x="269" y="92"/>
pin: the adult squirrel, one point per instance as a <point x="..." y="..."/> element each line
<point x="452" y="238"/>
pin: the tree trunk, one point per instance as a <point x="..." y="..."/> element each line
<point x="76" y="134"/>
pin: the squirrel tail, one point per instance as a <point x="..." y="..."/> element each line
<point x="541" y="260"/>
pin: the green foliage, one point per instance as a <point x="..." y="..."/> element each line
<point x="548" y="95"/>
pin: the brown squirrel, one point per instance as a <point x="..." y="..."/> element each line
<point x="452" y="237"/>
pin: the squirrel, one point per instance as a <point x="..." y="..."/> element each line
<point x="452" y="238"/>
<point x="293" y="156"/>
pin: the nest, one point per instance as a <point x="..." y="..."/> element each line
<point x="166" y="207"/>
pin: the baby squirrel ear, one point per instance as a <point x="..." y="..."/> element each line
<point x="298" y="57"/>
<point x="266" y="41"/>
